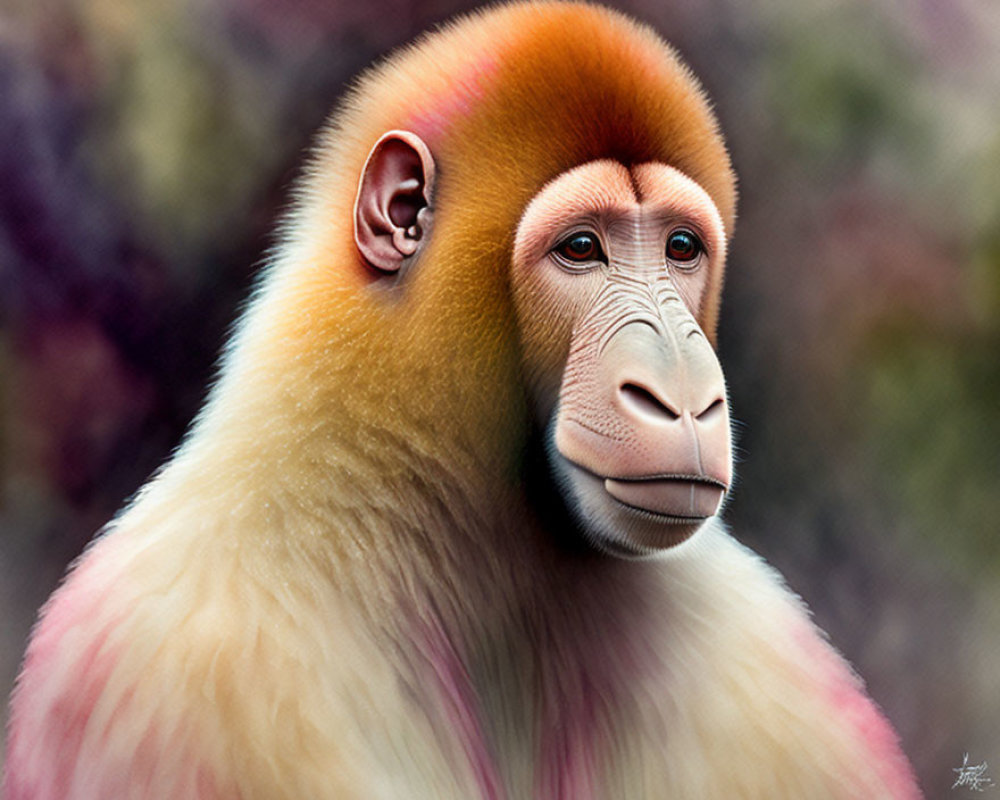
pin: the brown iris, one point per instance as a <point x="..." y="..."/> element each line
<point x="683" y="246"/>
<point x="580" y="248"/>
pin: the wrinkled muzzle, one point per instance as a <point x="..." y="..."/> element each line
<point x="643" y="422"/>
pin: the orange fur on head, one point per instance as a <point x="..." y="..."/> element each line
<point x="509" y="99"/>
<point x="506" y="100"/>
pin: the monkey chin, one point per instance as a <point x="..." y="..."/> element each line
<point x="612" y="526"/>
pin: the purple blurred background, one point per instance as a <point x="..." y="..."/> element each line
<point x="147" y="148"/>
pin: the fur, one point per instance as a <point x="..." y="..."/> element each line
<point x="339" y="587"/>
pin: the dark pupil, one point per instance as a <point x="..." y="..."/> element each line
<point x="580" y="246"/>
<point x="682" y="246"/>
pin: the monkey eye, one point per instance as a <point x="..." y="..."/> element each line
<point x="580" y="248"/>
<point x="683" y="247"/>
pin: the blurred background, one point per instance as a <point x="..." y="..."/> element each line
<point x="147" y="149"/>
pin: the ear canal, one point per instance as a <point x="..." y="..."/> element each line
<point x="393" y="206"/>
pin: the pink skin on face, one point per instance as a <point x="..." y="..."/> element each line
<point x="641" y="434"/>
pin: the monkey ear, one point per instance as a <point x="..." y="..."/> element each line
<point x="392" y="212"/>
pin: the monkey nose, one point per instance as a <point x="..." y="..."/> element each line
<point x="680" y="464"/>
<point x="674" y="410"/>
<point x="649" y="404"/>
<point x="648" y="414"/>
<point x="643" y="402"/>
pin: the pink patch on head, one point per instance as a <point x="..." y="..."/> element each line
<point x="464" y="89"/>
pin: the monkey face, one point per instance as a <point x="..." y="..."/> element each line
<point x="611" y="268"/>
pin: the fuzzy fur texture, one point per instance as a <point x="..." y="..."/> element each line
<point x="338" y="587"/>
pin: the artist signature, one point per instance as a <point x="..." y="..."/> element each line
<point x="972" y="777"/>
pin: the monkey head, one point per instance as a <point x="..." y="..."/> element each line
<point x="555" y="211"/>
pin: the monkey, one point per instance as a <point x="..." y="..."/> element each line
<point x="448" y="523"/>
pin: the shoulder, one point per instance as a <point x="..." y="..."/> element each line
<point x="162" y="668"/>
<point x="768" y="705"/>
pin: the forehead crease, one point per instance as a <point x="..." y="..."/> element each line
<point x="662" y="185"/>
<point x="636" y="186"/>
<point x="668" y="191"/>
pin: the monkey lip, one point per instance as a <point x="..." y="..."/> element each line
<point x="684" y="498"/>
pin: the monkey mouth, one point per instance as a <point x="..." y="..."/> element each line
<point x="678" y="499"/>
<point x="657" y="516"/>
<point x="666" y="498"/>
<point x="636" y="516"/>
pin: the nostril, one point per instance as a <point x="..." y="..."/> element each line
<point x="645" y="402"/>
<point x="713" y="408"/>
